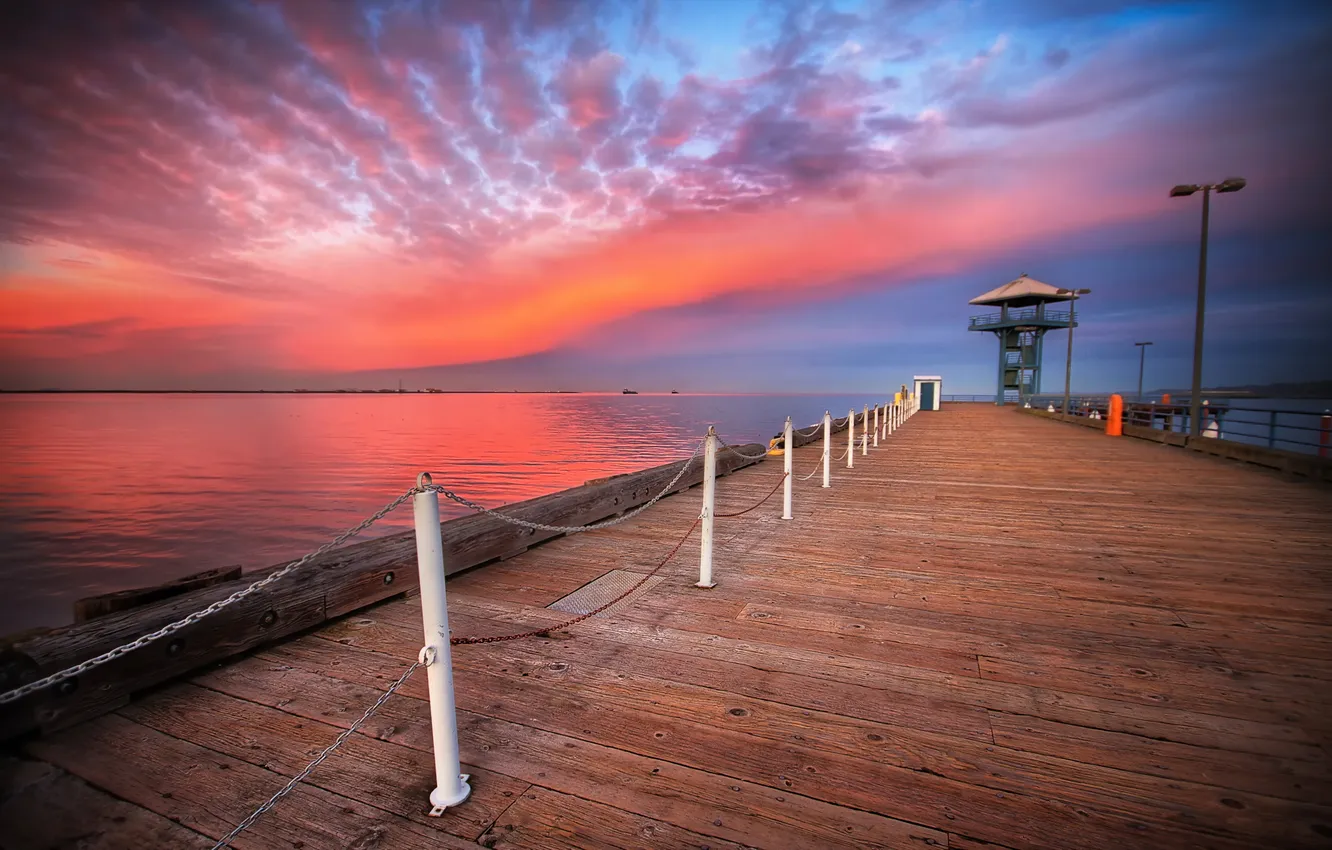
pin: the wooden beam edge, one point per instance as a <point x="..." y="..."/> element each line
<point x="341" y="582"/>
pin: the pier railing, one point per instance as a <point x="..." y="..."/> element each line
<point x="46" y="691"/>
<point x="1301" y="431"/>
<point x="1292" y="430"/>
<point x="1293" y="441"/>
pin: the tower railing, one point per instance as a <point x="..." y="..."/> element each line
<point x="1026" y="314"/>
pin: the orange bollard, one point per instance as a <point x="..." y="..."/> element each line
<point x="1114" y="423"/>
<point x="1165" y="398"/>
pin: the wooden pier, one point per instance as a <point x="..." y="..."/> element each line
<point x="996" y="631"/>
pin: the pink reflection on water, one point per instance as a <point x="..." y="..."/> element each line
<point x="105" y="492"/>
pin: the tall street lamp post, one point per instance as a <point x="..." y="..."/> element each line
<point x="1230" y="184"/>
<point x="1068" y="362"/>
<point x="1142" y="362"/>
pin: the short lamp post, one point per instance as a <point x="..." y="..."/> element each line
<point x="1073" y="295"/>
<point x="1142" y="363"/>
<point x="1230" y="184"/>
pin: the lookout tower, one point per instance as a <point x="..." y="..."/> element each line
<point x="1023" y="318"/>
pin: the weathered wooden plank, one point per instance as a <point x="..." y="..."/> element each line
<point x="844" y="662"/>
<point x="978" y="632"/>
<point x="612" y="679"/>
<point x="962" y="842"/>
<point x="1152" y="690"/>
<point x="901" y="707"/>
<point x="339" y="582"/>
<point x="696" y="800"/>
<point x="543" y="819"/>
<point x="210" y="793"/>
<point x="1305" y="781"/>
<point x="44" y="807"/>
<point x="382" y="774"/>
<point x="1024" y="820"/>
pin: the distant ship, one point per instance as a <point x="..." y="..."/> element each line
<point x="675" y="392"/>
<point x="629" y="392"/>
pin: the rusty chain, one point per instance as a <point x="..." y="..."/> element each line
<point x="470" y="641"/>
<point x="779" y="483"/>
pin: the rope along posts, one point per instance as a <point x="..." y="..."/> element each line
<point x="816" y="469"/>
<point x="309" y="768"/>
<point x="190" y="619"/>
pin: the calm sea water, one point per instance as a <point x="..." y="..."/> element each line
<point x="109" y="492"/>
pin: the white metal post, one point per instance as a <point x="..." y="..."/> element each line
<point x="827" y="449"/>
<point x="709" y="507"/>
<point x="876" y="426"/>
<point x="451" y="786"/>
<point x="787" y="451"/>
<point x="850" y="439"/>
<point x="887" y="418"/>
<point x="864" y="443"/>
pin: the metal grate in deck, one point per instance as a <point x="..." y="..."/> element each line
<point x="601" y="590"/>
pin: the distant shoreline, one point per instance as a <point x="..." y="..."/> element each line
<point x="291" y="392"/>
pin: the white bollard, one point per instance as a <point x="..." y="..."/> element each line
<point x="876" y="426"/>
<point x="883" y="423"/>
<point x="827" y="449"/>
<point x="451" y="783"/>
<point x="850" y="439"/>
<point x="709" y="507"/>
<point x="787" y="453"/>
<point x="892" y="417"/>
<point x="864" y="443"/>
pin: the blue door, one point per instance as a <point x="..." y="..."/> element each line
<point x="927" y="395"/>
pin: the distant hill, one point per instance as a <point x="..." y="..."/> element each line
<point x="1294" y="389"/>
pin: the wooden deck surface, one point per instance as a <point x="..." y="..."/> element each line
<point x="994" y="631"/>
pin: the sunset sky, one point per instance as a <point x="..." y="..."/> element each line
<point x="711" y="195"/>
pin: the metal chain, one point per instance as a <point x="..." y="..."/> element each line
<point x="759" y="503"/>
<point x="309" y="768"/>
<point x="471" y="641"/>
<point x="171" y="628"/>
<point x="569" y="529"/>
<point x="727" y="447"/>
